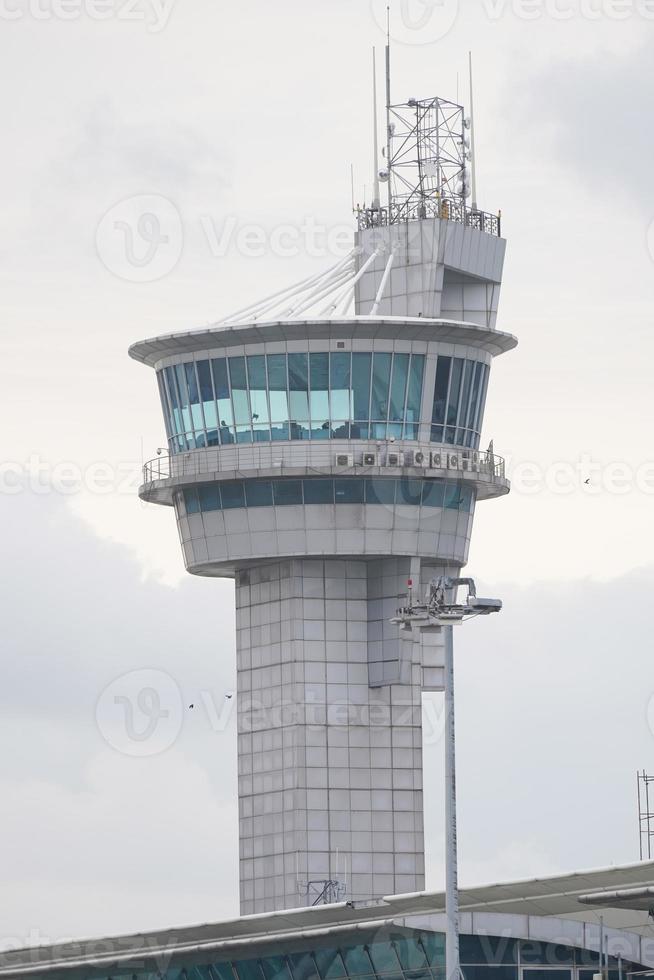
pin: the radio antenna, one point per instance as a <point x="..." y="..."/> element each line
<point x="375" y="191"/>
<point x="388" y="111"/>
<point x="473" y="166"/>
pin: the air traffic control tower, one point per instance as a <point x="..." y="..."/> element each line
<point x="325" y="454"/>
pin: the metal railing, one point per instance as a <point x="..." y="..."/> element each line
<point x="447" y="209"/>
<point x="323" y="456"/>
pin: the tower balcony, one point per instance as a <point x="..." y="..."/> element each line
<point x="483" y="472"/>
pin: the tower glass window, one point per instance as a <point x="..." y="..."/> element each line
<point x="285" y="492"/>
<point x="264" y="398"/>
<point x="459" y="397"/>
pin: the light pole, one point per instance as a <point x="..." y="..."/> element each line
<point x="440" y="609"/>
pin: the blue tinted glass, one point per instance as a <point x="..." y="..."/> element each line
<point x="204" y="377"/>
<point x="275" y="968"/>
<point x="467" y="497"/>
<point x="398" y="387"/>
<point x="411" y="954"/>
<point x="192" y="383"/>
<point x="191" y="501"/>
<point x="257" y="371"/>
<point x="348" y="491"/>
<point x="433" y="944"/>
<point x="248" y="969"/>
<point x="380" y="491"/>
<point x="465" y="394"/>
<point x="209" y="497"/>
<point x="298" y="382"/>
<point x="440" y="389"/>
<point x="225" y="414"/>
<point x="453" y="496"/>
<point x="171" y="384"/>
<point x="409" y="492"/>
<point x="180" y="376"/>
<point x="414" y="395"/>
<point x="583" y="957"/>
<point x="545" y="954"/>
<point x="221" y="971"/>
<point x="330" y="964"/>
<point x="278" y="383"/>
<point x="357" y="961"/>
<point x="258" y="395"/>
<point x="381" y="379"/>
<point x="194" y="398"/>
<point x="258" y="493"/>
<point x="303" y="966"/>
<point x="455" y="391"/>
<point x="474" y="400"/>
<point x="239" y="391"/>
<point x="432" y="493"/>
<point x="168" y="419"/>
<point x="536" y="974"/>
<point x="479" y="972"/>
<point x="384" y="958"/>
<point x="339" y="376"/>
<point x="219" y="367"/>
<point x="233" y="495"/>
<point x="361" y="366"/>
<point x="318" y="491"/>
<point x="492" y="950"/>
<point x="319" y="399"/>
<point x="482" y="398"/>
<point x="287" y="492"/>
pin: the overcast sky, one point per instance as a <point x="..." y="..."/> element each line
<point x="250" y="114"/>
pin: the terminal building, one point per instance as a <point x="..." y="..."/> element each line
<point x="326" y="453"/>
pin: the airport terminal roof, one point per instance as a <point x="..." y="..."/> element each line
<point x="579" y="896"/>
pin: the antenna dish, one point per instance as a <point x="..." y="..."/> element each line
<point x="466" y="122"/>
<point x="383" y="175"/>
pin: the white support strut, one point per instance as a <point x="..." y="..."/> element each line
<point x="382" y="284"/>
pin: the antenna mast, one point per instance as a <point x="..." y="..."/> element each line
<point x="375" y="192"/>
<point x="473" y="165"/>
<point x="388" y="110"/>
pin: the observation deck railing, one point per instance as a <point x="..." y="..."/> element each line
<point x="252" y="456"/>
<point x="447" y="209"/>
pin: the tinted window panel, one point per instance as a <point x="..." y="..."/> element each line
<point x="432" y="493"/>
<point x="409" y="492"/>
<point x="287" y="492"/>
<point x="380" y="491"/>
<point x="191" y="501"/>
<point x="209" y="498"/>
<point x="319" y="491"/>
<point x="259" y="493"/>
<point x="232" y="495"/>
<point x="348" y="491"/>
<point x="443" y="366"/>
